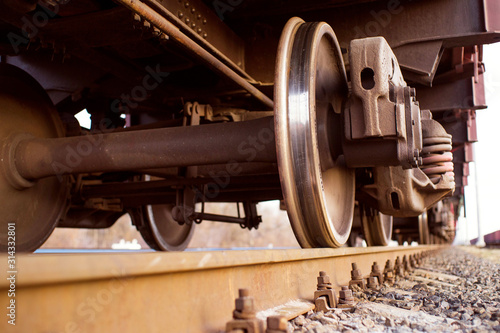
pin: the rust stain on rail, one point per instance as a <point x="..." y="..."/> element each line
<point x="170" y="292"/>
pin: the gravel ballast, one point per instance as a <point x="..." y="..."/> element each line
<point x="451" y="291"/>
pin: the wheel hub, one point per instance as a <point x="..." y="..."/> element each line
<point x="34" y="207"/>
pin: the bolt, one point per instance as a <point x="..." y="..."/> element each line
<point x="146" y="24"/>
<point x="276" y="324"/>
<point x="244" y="318"/>
<point x="187" y="20"/>
<point x="324" y="281"/>
<point x="398" y="268"/>
<point x="205" y="35"/>
<point x="388" y="266"/>
<point x="355" y="273"/>
<point x="180" y="14"/>
<point x="413" y="261"/>
<point x="377" y="273"/>
<point x="375" y="267"/>
<point x="244" y="305"/>
<point x="345" y="296"/>
<point x="356" y="277"/>
<point x="186" y="4"/>
<point x="137" y="17"/>
<point x="389" y="272"/>
<point x="406" y="264"/>
<point x="372" y="282"/>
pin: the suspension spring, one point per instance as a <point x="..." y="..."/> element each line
<point x="437" y="159"/>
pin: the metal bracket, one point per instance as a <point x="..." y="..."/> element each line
<point x="382" y="118"/>
<point x="324" y="298"/>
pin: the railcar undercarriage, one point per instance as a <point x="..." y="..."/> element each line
<point x="359" y="115"/>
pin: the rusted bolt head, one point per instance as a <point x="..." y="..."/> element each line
<point x="323" y="279"/>
<point x="345" y="293"/>
<point x="355" y="273"/>
<point x="244" y="304"/>
<point x="372" y="282"/>
<point x="277" y="323"/>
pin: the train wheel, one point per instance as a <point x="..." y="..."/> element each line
<point x="310" y="91"/>
<point x="423" y="229"/>
<point x="159" y="229"/>
<point x="33" y="207"/>
<point x="377" y="227"/>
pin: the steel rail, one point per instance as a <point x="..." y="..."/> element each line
<point x="170" y="292"/>
<point x="187" y="43"/>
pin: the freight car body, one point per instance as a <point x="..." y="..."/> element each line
<point x="352" y="114"/>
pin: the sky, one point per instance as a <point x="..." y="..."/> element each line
<point x="487" y="158"/>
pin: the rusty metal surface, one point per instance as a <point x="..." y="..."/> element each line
<point x="170" y="292"/>
<point x="229" y="143"/>
<point x="207" y="29"/>
<point x="35" y="211"/>
<point x="189" y="45"/>
<point x="468" y="93"/>
<point x="382" y="119"/>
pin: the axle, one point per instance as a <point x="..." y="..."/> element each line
<point x="239" y="142"/>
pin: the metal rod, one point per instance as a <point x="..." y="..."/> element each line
<point x="222" y="143"/>
<point x="218" y="218"/>
<point x="117" y="190"/>
<point x="184" y="41"/>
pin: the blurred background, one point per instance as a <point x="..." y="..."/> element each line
<point x="481" y="196"/>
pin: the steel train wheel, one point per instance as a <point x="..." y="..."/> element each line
<point x="34" y="207"/>
<point x="310" y="90"/>
<point x="423" y="229"/>
<point x="159" y="229"/>
<point x="377" y="227"/>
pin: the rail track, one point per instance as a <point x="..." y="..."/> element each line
<point x="173" y="292"/>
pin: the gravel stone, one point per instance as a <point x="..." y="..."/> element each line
<point x="451" y="291"/>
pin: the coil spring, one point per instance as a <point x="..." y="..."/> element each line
<point x="437" y="159"/>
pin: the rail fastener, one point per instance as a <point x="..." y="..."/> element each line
<point x="399" y="268"/>
<point x="356" y="277"/>
<point x="389" y="272"/>
<point x="244" y="315"/>
<point x="346" y="299"/>
<point x="324" y="296"/>
<point x="377" y="273"/>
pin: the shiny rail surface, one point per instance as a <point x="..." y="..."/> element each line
<point x="169" y="292"/>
